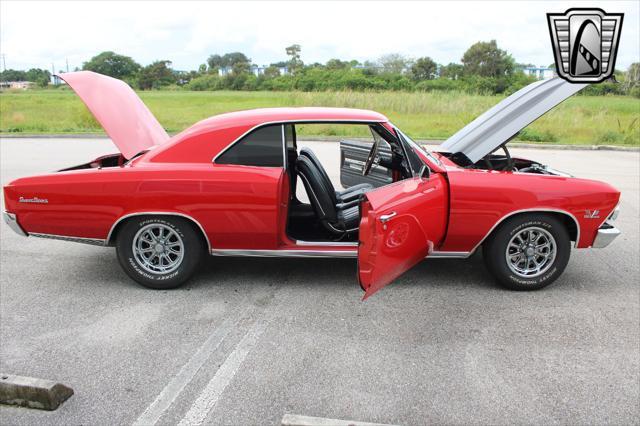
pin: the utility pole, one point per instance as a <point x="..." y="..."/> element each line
<point x="67" y="64"/>
<point x="53" y="74"/>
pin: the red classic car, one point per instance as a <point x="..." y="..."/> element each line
<point x="226" y="186"/>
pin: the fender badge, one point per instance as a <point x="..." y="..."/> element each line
<point x="592" y="214"/>
<point x="34" y="200"/>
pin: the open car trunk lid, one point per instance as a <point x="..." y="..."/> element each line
<point x="122" y="114"/>
<point x="496" y="126"/>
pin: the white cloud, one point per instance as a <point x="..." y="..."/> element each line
<point x="35" y="34"/>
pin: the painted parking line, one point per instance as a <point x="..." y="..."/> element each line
<point x="171" y="391"/>
<point x="207" y="400"/>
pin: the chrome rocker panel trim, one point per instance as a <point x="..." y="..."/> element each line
<point x="345" y="254"/>
<point x="11" y="220"/>
<point x="605" y="236"/>
<point x="450" y="255"/>
<point x="326" y="243"/>
<point x="91" y="241"/>
<point x="286" y="253"/>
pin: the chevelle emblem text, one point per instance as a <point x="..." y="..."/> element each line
<point x="34" y="200"/>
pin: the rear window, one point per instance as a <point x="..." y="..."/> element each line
<point x="262" y="147"/>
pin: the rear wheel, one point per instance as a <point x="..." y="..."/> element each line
<point x="159" y="252"/>
<point x="528" y="252"/>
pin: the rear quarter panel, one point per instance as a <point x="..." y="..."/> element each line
<point x="235" y="205"/>
<point x="481" y="199"/>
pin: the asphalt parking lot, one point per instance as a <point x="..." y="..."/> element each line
<point x="252" y="339"/>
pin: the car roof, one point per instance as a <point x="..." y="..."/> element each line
<point x="257" y="117"/>
<point x="194" y="145"/>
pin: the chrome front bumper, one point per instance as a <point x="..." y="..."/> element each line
<point x="606" y="234"/>
<point x="11" y="220"/>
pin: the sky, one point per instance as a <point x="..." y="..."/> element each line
<point x="39" y="34"/>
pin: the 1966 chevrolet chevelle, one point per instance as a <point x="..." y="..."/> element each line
<point x="227" y="187"/>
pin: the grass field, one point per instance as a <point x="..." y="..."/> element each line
<point x="579" y="120"/>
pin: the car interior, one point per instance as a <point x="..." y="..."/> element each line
<point x="332" y="214"/>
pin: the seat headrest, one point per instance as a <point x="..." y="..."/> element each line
<point x="325" y="177"/>
<point x="316" y="189"/>
<point x="307" y="151"/>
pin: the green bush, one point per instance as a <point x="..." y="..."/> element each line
<point x="359" y="82"/>
<point x="517" y="81"/>
<point x="532" y="135"/>
<point x="280" y="84"/>
<point x="441" y="85"/>
<point x="322" y="79"/>
<point x="603" y="89"/>
<point x="251" y="83"/>
<point x="630" y="133"/>
<point x="608" y="137"/>
<point x="204" y="82"/>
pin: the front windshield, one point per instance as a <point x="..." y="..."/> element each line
<point x="419" y="148"/>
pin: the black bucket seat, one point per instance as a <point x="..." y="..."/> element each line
<point x="338" y="219"/>
<point x="346" y="196"/>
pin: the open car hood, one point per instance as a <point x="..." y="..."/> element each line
<point x="496" y="126"/>
<point x="122" y="114"/>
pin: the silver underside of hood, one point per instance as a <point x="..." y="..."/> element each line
<point x="496" y="126"/>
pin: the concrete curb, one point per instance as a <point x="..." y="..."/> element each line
<point x="430" y="142"/>
<point x="297" y="420"/>
<point x="32" y="392"/>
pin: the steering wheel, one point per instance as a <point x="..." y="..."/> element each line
<point x="507" y="166"/>
<point x="373" y="153"/>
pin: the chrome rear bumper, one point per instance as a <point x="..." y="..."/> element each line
<point x="606" y="234"/>
<point x="11" y="220"/>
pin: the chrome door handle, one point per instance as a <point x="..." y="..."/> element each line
<point x="387" y="217"/>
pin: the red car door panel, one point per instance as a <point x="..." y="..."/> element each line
<point x="400" y="225"/>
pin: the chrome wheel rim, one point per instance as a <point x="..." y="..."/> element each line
<point x="158" y="249"/>
<point x="531" y="252"/>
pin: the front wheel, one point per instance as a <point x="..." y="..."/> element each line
<point x="160" y="252"/>
<point x="528" y="252"/>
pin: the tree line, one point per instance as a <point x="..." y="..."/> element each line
<point x="39" y="76"/>
<point x="483" y="68"/>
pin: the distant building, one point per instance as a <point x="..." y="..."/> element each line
<point x="541" y="73"/>
<point x="56" y="80"/>
<point x="23" y="85"/>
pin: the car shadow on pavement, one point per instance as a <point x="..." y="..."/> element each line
<point x="227" y="272"/>
<point x="297" y="271"/>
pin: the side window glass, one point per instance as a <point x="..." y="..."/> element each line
<point x="414" y="160"/>
<point x="262" y="147"/>
<point x="382" y="143"/>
